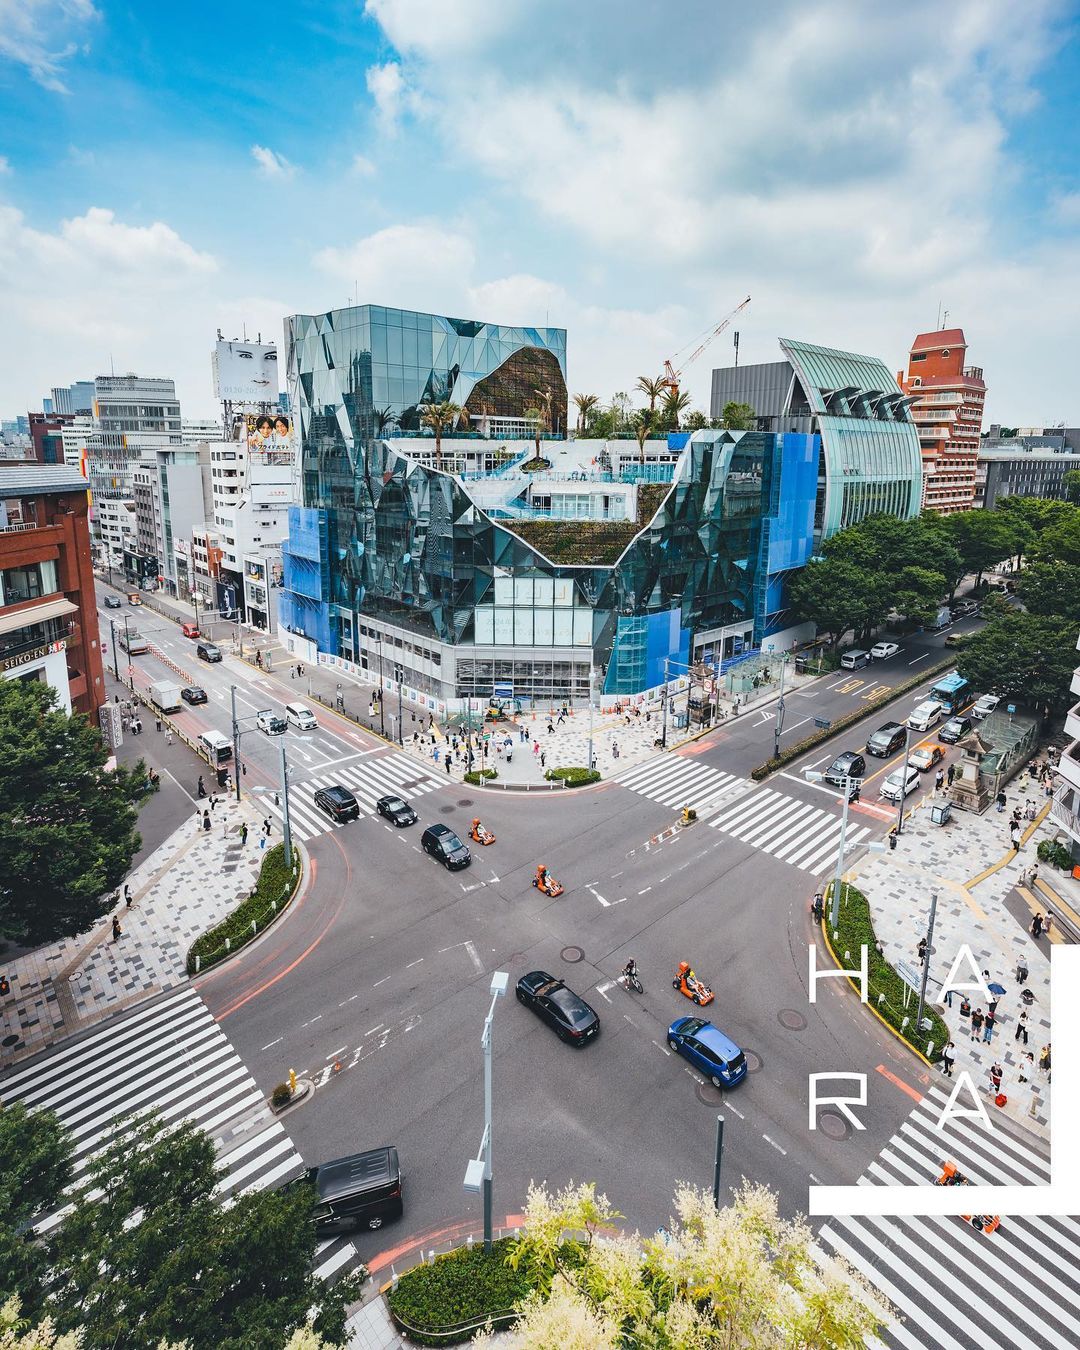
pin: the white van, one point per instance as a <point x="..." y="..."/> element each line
<point x="855" y="660"/>
<point x="301" y="717"/>
<point x="214" y="747"/>
<point x="925" y="715"/>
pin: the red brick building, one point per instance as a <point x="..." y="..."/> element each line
<point x="949" y="415"/>
<point x="48" y="609"/>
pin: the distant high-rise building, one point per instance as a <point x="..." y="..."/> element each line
<point x="948" y="412"/>
<point x="74" y="398"/>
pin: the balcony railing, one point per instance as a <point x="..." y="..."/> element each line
<point x="1063" y="809"/>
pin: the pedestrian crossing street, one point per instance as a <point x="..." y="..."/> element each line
<point x="678" y="781"/>
<point x="173" y="1058"/>
<point x="367" y="780"/>
<point x="949" y="1284"/>
<point x="794" y="831"/>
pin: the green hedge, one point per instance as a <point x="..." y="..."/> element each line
<point x="276" y="883"/>
<point x="573" y="777"/>
<point x="477" y="776"/>
<point x="431" y="1302"/>
<point x="857" y="927"/>
<point x="848" y="720"/>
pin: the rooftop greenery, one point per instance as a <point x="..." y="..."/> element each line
<point x="591" y="542"/>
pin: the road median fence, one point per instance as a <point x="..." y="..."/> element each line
<point x="276" y="887"/>
<point x="888" y="995"/>
<point x="849" y="720"/>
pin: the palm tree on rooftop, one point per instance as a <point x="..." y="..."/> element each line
<point x="675" y="404"/>
<point x="439" y="416"/>
<point x="586" y="404"/>
<point x="642" y="426"/>
<point x="652" y="389"/>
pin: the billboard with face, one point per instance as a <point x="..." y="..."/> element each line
<point x="245" y="372"/>
<point x="269" y="431"/>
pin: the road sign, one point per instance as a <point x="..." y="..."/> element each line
<point x="910" y="976"/>
<point x="822" y="723"/>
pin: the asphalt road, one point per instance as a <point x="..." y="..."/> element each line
<point x="377" y="985"/>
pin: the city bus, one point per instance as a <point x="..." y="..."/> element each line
<point x="952" y="692"/>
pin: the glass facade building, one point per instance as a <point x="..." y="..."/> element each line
<point x="473" y="575"/>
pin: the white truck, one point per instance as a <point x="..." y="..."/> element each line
<point x="165" y="696"/>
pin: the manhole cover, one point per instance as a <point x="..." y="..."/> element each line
<point x="709" y="1095"/>
<point x="791" y="1019"/>
<point x="572" y="954"/>
<point x="516" y="958"/>
<point x="464" y="801"/>
<point x="753" y="1061"/>
<point x="834" y="1126"/>
<point x="10" y="1040"/>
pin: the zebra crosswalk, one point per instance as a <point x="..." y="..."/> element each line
<point x="367" y="780"/>
<point x="794" y="831"/>
<point x="173" y="1058"/>
<point x="949" y="1284"/>
<point x="678" y="781"/>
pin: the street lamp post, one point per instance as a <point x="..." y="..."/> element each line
<point x="589" y="761"/>
<point x="848" y="786"/>
<point x="115" y="661"/>
<point x="127" y="651"/>
<point x="286" y="828"/>
<point x="663" y="726"/>
<point x="902" y="795"/>
<point x="926" y="959"/>
<point x="478" y="1174"/>
<point x="236" y="741"/>
<point x="195" y="602"/>
<point x="717" y="1156"/>
<point x="400" y="677"/>
<point x="778" y="725"/>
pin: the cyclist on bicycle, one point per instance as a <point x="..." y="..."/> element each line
<point x="630" y="970"/>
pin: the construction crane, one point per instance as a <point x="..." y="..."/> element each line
<point x="673" y="376"/>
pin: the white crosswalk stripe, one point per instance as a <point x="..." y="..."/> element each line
<point x="368" y="781"/>
<point x="677" y="781"/>
<point x="951" y="1285"/>
<point x="797" y="832"/>
<point x="170" y="1057"/>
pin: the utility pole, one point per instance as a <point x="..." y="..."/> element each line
<point x="478" y="1174"/>
<point x="779" y="722"/>
<point x="400" y="676"/>
<point x="834" y="915"/>
<point x="589" y="761"/>
<point x="127" y="650"/>
<point x="663" y="727"/>
<point x="903" y="783"/>
<point x="285" y="827"/>
<point x="717" y="1156"/>
<point x="926" y="959"/>
<point x="115" y="661"/>
<point x="195" y="602"/>
<point x="235" y="741"/>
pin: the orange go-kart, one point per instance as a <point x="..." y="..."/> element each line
<point x="686" y="982"/>
<point x="479" y="835"/>
<point x="544" y="881"/>
<point x="952" y="1176"/>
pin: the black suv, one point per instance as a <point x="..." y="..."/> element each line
<point x="359" y="1191"/>
<point x="442" y="843"/>
<point x="848" y="765"/>
<point x="208" y="651"/>
<point x="886" y="740"/>
<point x="338" y="803"/>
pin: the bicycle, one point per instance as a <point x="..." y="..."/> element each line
<point x="629" y="982"/>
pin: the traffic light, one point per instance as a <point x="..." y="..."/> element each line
<point x="5" y="986"/>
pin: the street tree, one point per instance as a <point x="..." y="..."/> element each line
<point x="887" y="545"/>
<point x="1025" y="657"/>
<point x="35" y="1166"/>
<point x="739" y="1277"/>
<point x="149" y="1254"/>
<point x="917" y="594"/>
<point x="836" y="594"/>
<point x="1051" y="590"/>
<point x="695" y="420"/>
<point x="737" y="416"/>
<point x="1032" y="516"/>
<point x="1060" y="542"/>
<point x="67" y="824"/>
<point x="676" y="403"/>
<point x="1070" y="486"/>
<point x="982" y="538"/>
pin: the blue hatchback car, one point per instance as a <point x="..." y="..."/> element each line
<point x="708" y="1050"/>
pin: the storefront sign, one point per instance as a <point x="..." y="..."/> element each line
<point x="35" y="654"/>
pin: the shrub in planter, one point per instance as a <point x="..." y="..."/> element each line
<point x="276" y="881"/>
<point x="573" y="776"/>
<point x="281" y="1096"/>
<point x="459" y="1288"/>
<point x="479" y="776"/>
<point x="1050" y="851"/>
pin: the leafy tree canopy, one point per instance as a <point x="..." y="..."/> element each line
<point x="695" y="420"/>
<point x="918" y="593"/>
<point x="1032" y="515"/>
<point x="837" y="594"/>
<point x="1050" y="590"/>
<point x="155" y="1257"/>
<point x="739" y="1277"/>
<point x="1070" y="485"/>
<point x="67" y="825"/>
<point x="887" y="545"/>
<point x="1022" y="656"/>
<point x="35" y="1166"/>
<point x="738" y="416"/>
<point x="982" y="538"/>
<point x="1060" y="542"/>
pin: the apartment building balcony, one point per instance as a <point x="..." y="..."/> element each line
<point x="1065" y="809"/>
<point x="1069" y="765"/>
<point x="934" y="433"/>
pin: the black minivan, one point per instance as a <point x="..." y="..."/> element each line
<point x="887" y="739"/>
<point x="361" y="1191"/>
<point x="442" y="843"/>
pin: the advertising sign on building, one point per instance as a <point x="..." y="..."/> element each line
<point x="269" y="432"/>
<point x="245" y="372"/>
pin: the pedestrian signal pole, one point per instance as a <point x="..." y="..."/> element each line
<point x="286" y="829"/>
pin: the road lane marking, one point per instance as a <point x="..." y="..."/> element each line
<point x="645" y="891"/>
<point x="335" y="1053"/>
<point x="602" y="989"/>
<point x="728" y="1107"/>
<point x="373" y="1029"/>
<point x="918" y="659"/>
<point x="382" y="981"/>
<point x="663" y="1048"/>
<point x="914" y="1093"/>
<point x="417" y="962"/>
<point x="272" y="1043"/>
<point x="475" y="956"/>
<point x="596" y="893"/>
<point x="782" y="1151"/>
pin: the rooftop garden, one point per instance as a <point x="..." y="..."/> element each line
<point x="592" y="542"/>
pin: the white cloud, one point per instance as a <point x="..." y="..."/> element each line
<point x="386" y="86"/>
<point x="271" y="164"/>
<point x="407" y="266"/>
<point x="362" y="166"/>
<point x="437" y="29"/>
<point x="30" y="31"/>
<point x="5" y="164"/>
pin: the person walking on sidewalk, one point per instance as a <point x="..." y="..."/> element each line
<point x="128" y="897"/>
<point x="995" y="1078"/>
<point x="951" y="774"/>
<point x="1022" y="1028"/>
<point x="988" y="1025"/>
<point x="201" y="789"/>
<point x="1014" y="836"/>
<point x="267" y="827"/>
<point x="939" y="780"/>
<point x="117" y="931"/>
<point x="1026" y="1067"/>
<point x="1037" y="927"/>
<point x="948" y="1055"/>
<point x="976" y="1023"/>
<point x="206" y="820"/>
<point x="1021" y="970"/>
<point x="1002" y="801"/>
<point x="543" y="758"/>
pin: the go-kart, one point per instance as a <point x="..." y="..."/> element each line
<point x="952" y="1176"/>
<point x="686" y="982"/>
<point x="544" y="881"/>
<point x="479" y="835"/>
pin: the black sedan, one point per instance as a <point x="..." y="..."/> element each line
<point x="193" y="694"/>
<point x="567" y="1013"/>
<point x="954" y="729"/>
<point x="112" y="602"/>
<point x="395" y="810"/>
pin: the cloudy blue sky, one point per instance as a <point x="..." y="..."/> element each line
<point x="628" y="170"/>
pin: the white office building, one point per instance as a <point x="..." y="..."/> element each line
<point x="171" y="490"/>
